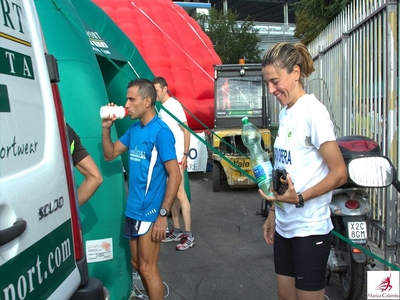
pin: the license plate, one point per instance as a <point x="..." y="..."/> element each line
<point x="357" y="230"/>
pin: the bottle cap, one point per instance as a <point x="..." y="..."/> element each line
<point x="245" y="120"/>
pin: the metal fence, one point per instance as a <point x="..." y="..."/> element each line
<point x="356" y="77"/>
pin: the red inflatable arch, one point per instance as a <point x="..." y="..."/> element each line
<point x="174" y="46"/>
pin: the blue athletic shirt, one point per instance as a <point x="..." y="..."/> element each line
<point x="150" y="146"/>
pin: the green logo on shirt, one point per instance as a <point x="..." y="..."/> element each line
<point x="289" y="134"/>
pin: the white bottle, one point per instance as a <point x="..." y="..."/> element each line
<point x="108" y="111"/>
<point x="138" y="290"/>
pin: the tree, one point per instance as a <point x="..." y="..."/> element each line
<point x="231" y="40"/>
<point x="312" y="17"/>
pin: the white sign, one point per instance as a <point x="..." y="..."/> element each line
<point x="383" y="285"/>
<point x="197" y="160"/>
<point x="357" y="230"/>
<point x="99" y="250"/>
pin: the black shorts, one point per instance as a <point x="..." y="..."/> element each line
<point x="134" y="228"/>
<point x="303" y="258"/>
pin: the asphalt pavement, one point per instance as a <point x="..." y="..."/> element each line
<point x="230" y="260"/>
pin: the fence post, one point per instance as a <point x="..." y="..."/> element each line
<point x="345" y="125"/>
<point x="392" y="126"/>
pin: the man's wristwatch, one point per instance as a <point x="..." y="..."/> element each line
<point x="163" y="212"/>
<point x="301" y="201"/>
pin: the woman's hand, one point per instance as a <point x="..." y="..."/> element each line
<point x="269" y="228"/>
<point x="290" y="196"/>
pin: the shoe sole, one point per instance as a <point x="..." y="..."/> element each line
<point x="191" y="246"/>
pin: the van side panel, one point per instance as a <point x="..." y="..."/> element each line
<point x="33" y="185"/>
<point x="41" y="267"/>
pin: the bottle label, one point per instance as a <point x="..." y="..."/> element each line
<point x="263" y="172"/>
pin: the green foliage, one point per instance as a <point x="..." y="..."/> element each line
<point x="231" y="40"/>
<point x="312" y="17"/>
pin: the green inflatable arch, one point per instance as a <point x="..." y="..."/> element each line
<point x="96" y="61"/>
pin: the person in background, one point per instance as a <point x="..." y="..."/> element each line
<point x="86" y="166"/>
<point x="154" y="179"/>
<point x="299" y="225"/>
<point x="182" y="143"/>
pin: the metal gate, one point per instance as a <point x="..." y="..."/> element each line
<point x="356" y="61"/>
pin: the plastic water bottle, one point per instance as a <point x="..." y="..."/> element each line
<point x="119" y="111"/>
<point x="138" y="291"/>
<point x="259" y="159"/>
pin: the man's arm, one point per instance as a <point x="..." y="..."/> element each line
<point x="88" y="168"/>
<point x="111" y="150"/>
<point x="173" y="183"/>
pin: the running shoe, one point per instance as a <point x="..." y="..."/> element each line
<point x="186" y="243"/>
<point x="172" y="237"/>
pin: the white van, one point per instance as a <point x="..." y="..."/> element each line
<point x="41" y="248"/>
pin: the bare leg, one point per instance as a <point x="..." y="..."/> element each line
<point x="145" y="254"/>
<point x="184" y="204"/>
<point x="175" y="211"/>
<point x="311" y="295"/>
<point x="133" y="244"/>
<point x="286" y="288"/>
<point x="288" y="291"/>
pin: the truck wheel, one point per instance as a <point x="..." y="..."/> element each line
<point x="216" y="177"/>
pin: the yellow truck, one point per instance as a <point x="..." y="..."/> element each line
<point x="239" y="91"/>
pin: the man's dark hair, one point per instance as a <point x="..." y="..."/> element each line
<point x="146" y="89"/>
<point x="161" y="81"/>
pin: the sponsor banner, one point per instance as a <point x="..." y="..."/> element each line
<point x="37" y="272"/>
<point x="383" y="285"/>
<point x="99" y="250"/>
<point x="197" y="160"/>
<point x="100" y="45"/>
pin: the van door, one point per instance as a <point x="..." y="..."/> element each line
<point x="36" y="241"/>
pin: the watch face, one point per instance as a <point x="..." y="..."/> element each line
<point x="163" y="212"/>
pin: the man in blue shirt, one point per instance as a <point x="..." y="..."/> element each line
<point x="154" y="179"/>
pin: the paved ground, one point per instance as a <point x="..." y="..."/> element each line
<point x="231" y="260"/>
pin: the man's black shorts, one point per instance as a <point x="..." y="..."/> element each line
<point x="303" y="258"/>
<point x="134" y="228"/>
